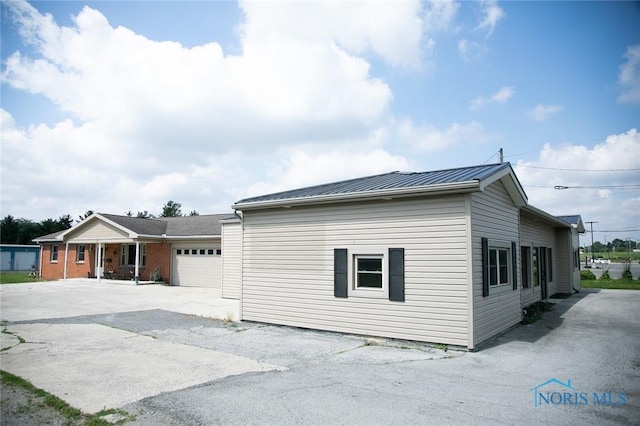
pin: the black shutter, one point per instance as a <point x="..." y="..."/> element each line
<point x="514" y="265"/>
<point x="485" y="267"/>
<point x="340" y="278"/>
<point x="396" y="274"/>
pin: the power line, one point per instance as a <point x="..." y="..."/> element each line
<point x="579" y="170"/>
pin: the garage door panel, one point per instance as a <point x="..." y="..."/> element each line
<point x="198" y="271"/>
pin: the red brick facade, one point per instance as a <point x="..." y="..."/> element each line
<point x="158" y="255"/>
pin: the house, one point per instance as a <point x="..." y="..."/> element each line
<point x="183" y="251"/>
<point x="448" y="256"/>
<point x="18" y="257"/>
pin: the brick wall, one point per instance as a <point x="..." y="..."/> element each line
<point x="158" y="256"/>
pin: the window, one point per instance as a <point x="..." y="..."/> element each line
<point x="128" y="255"/>
<point x="54" y="254"/>
<point x="210" y="252"/>
<point x="372" y="272"/>
<point x="368" y="271"/>
<point x="80" y="253"/>
<point x="526" y="266"/>
<point x="498" y="266"/>
<point x="194" y="251"/>
<point x="202" y="252"/>
<point x="179" y="251"/>
<point x="576" y="260"/>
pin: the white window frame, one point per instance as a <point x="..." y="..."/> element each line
<point x="53" y="256"/>
<point x="83" y="251"/>
<point x="362" y="253"/>
<point x="142" y="255"/>
<point x="497" y="247"/>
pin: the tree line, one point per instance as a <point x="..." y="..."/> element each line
<point x="23" y="231"/>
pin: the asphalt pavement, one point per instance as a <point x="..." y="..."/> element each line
<point x="579" y="365"/>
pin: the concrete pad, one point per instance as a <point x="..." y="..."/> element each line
<point x="93" y="367"/>
<point x="69" y="298"/>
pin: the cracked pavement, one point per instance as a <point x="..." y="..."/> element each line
<point x="168" y="367"/>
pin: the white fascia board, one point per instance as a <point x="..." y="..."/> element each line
<point x="546" y="216"/>
<point x="98" y="216"/>
<point x="511" y="183"/>
<point x="386" y="194"/>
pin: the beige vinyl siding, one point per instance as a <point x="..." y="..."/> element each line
<point x="288" y="268"/>
<point x="538" y="234"/>
<point x="97" y="230"/>
<point x="563" y="262"/>
<point x="231" y="260"/>
<point x="494" y="216"/>
<point x="575" y="245"/>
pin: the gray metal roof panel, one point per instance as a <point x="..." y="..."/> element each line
<point x="387" y="181"/>
<point x="188" y="226"/>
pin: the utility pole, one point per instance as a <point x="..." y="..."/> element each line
<point x="501" y="155"/>
<point x="592" y="252"/>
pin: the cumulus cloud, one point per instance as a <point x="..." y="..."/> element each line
<point x="629" y="76"/>
<point x="601" y="180"/>
<point x="501" y="96"/>
<point x="430" y="138"/>
<point x="492" y="13"/>
<point x="542" y="112"/>
<point x="150" y="120"/>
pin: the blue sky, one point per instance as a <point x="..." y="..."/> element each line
<point x="119" y="106"/>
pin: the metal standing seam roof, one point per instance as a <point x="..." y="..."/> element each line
<point x="387" y="181"/>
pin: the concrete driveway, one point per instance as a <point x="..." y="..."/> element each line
<point x="580" y="364"/>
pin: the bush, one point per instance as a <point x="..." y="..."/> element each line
<point x="587" y="275"/>
<point x="605" y="276"/>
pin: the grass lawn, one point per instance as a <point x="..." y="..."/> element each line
<point x="16" y="278"/>
<point x="612" y="284"/>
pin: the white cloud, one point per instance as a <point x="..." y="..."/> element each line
<point x="542" y="112"/>
<point x="491" y="15"/>
<point x="302" y="168"/>
<point x="501" y="96"/>
<point x="430" y="138"/>
<point x="151" y="121"/>
<point x="470" y="50"/>
<point x="612" y="208"/>
<point x="629" y="77"/>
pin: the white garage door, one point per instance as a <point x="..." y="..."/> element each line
<point x="197" y="267"/>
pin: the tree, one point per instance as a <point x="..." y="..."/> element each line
<point x="86" y="215"/>
<point x="9" y="229"/>
<point x="194" y="213"/>
<point x="171" y="209"/>
<point x="145" y="215"/>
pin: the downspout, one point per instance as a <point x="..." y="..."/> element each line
<point x="66" y="260"/>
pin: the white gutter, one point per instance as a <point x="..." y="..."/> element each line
<point x="459" y="187"/>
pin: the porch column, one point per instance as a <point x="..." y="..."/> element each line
<point x="137" y="273"/>
<point x="66" y="260"/>
<point x="98" y="260"/>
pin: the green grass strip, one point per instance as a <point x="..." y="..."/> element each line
<point x="68" y="412"/>
<point x="612" y="284"/>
